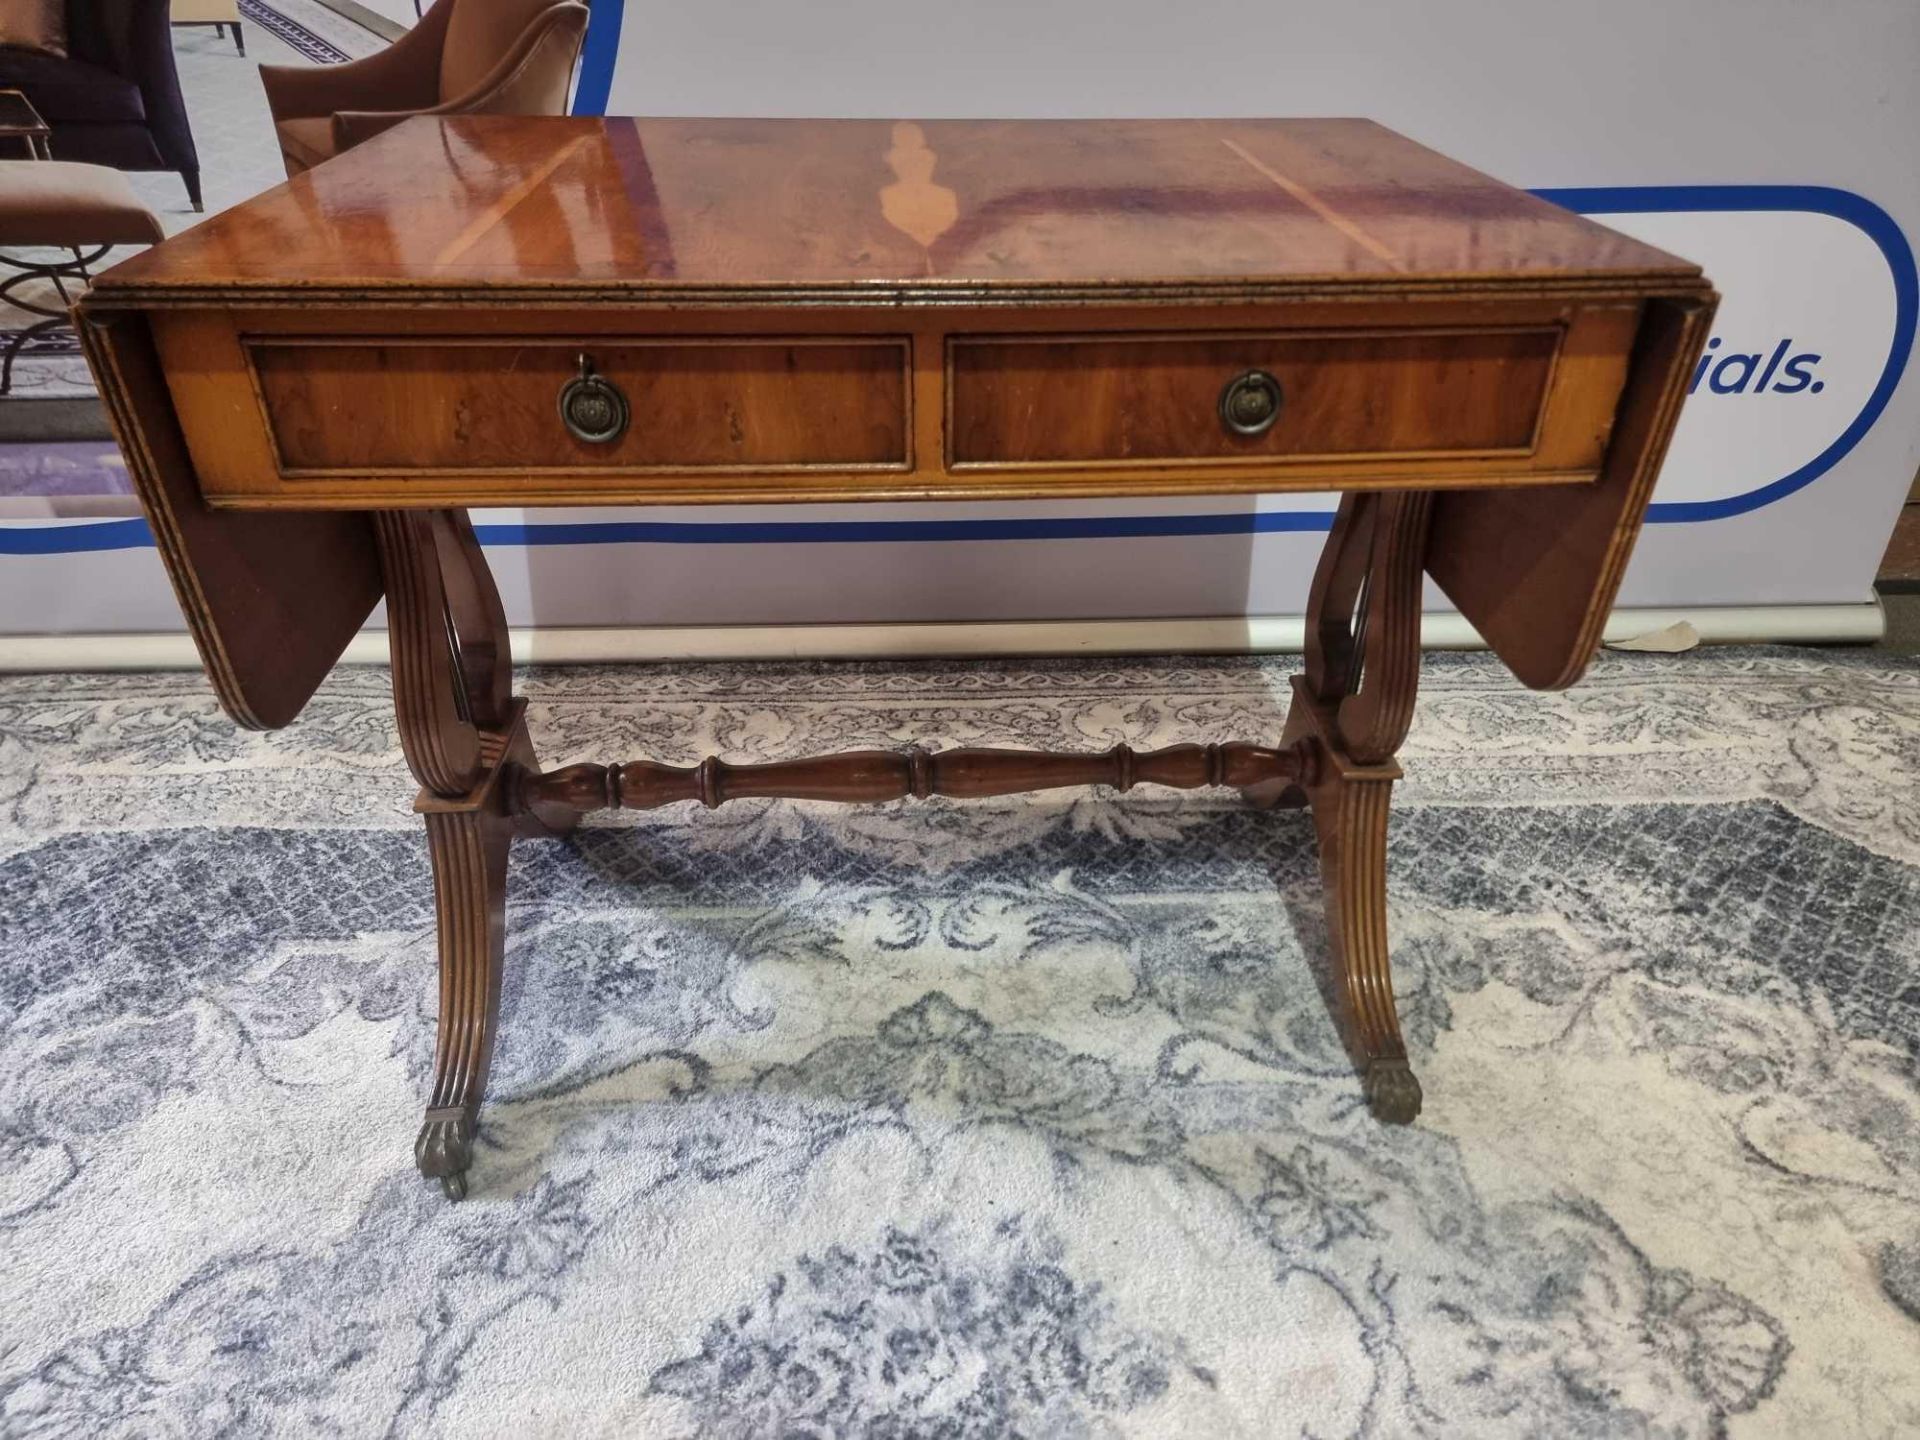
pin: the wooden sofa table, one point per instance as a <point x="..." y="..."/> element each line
<point x="498" y="311"/>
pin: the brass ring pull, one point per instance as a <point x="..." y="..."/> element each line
<point x="592" y="407"/>
<point x="1250" y="403"/>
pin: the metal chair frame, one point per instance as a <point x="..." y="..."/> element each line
<point x="59" y="272"/>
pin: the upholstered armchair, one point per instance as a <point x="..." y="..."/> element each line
<point x="466" y="57"/>
<point x="114" y="98"/>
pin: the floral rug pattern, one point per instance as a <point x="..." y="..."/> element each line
<point x="1018" y="1117"/>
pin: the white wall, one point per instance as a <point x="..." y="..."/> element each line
<point x="1678" y="94"/>
<point x="1781" y="495"/>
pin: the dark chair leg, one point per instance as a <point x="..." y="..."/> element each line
<point x="18" y="343"/>
<point x="59" y="272"/>
<point x="192" y="181"/>
<point x="239" y="40"/>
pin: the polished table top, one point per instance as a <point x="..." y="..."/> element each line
<point x="876" y="206"/>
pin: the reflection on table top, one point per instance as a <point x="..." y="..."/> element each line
<point x="742" y="205"/>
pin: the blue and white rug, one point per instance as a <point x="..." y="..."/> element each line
<point x="1006" y="1118"/>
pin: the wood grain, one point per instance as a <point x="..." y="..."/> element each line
<point x="399" y="405"/>
<point x="1156" y="397"/>
<point x="864" y="776"/>
<point x="1537" y="571"/>
<point x="734" y="437"/>
<point x="749" y="207"/>
<point x="1377" y="707"/>
<point x="442" y="744"/>
<point x="271" y="600"/>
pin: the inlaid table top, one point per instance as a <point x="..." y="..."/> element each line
<point x="866" y="205"/>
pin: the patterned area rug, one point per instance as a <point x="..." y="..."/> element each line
<point x="1005" y="1118"/>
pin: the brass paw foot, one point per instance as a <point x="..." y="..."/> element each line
<point x="1392" y="1092"/>
<point x="444" y="1151"/>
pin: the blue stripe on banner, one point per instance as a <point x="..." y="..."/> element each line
<point x="590" y="98"/>
<point x="597" y="55"/>
<point x="850" y="532"/>
<point x="74" y="539"/>
<point x="133" y="534"/>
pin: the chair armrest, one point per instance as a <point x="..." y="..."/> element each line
<point x="531" y="80"/>
<point x="355" y="127"/>
<point x="406" y="73"/>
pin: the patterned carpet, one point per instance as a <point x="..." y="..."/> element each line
<point x="1007" y="1118"/>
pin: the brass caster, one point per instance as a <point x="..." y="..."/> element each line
<point x="1392" y="1092"/>
<point x="444" y="1151"/>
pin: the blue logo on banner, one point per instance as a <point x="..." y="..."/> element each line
<point x="1857" y="211"/>
<point x="1731" y="372"/>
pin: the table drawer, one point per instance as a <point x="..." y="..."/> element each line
<point x="1339" y="395"/>
<point x="313" y="409"/>
<point x="389" y="406"/>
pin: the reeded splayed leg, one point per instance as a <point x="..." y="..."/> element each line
<point x="1356" y="701"/>
<point x="462" y="732"/>
<point x="469" y="853"/>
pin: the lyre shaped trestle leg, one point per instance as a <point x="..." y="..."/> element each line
<point x="465" y="737"/>
<point x="1355" y="701"/>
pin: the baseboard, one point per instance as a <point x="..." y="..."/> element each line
<point x="369" y="20"/>
<point x="1228" y="635"/>
<point x="33" y="420"/>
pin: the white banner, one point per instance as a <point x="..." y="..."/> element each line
<point x="1771" y="142"/>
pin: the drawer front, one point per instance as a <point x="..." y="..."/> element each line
<point x="1146" y="399"/>
<point x="391" y="406"/>
<point x="318" y="408"/>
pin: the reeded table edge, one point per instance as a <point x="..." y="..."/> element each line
<point x="109" y="293"/>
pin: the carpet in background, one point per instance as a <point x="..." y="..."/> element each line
<point x="1017" y="1117"/>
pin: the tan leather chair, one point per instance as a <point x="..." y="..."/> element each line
<point x="466" y="57"/>
<point x="81" y="210"/>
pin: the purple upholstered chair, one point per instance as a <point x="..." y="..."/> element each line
<point x="114" y="99"/>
